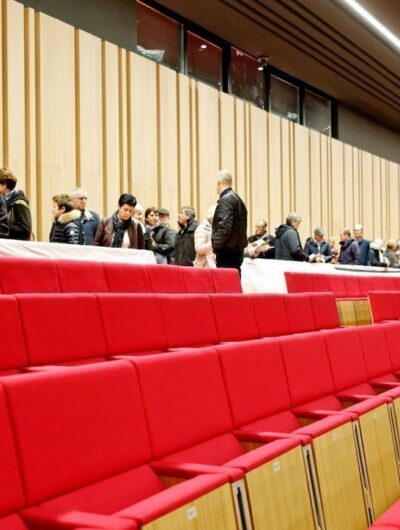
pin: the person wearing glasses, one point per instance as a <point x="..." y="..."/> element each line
<point x="90" y="220"/>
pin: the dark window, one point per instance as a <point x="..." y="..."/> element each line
<point x="317" y="112"/>
<point x="284" y="99"/>
<point x="247" y="77"/>
<point x="204" y="59"/>
<point x="158" y="36"/>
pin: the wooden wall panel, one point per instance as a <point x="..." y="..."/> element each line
<point x="143" y="133"/>
<point x="384" y="209"/>
<point x="258" y="165"/>
<point x="301" y="182"/>
<point x="89" y="126"/>
<point x="325" y="188"/>
<point x="275" y="214"/>
<point x="367" y="194"/>
<point x="394" y="196"/>
<point x="337" y="185"/>
<point x="348" y="186"/>
<point x="240" y="143"/>
<point x="168" y="140"/>
<point x="208" y="146"/>
<point x="286" y="168"/>
<point x="227" y="133"/>
<point x="315" y="181"/>
<point x="123" y="120"/>
<point x="194" y="142"/>
<point x="376" y="197"/>
<point x="185" y="148"/>
<point x="14" y="89"/>
<point x="356" y="186"/>
<point x="55" y="95"/>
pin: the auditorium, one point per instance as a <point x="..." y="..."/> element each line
<point x="200" y="265"/>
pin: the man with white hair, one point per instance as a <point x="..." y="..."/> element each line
<point x="89" y="220"/>
<point x="229" y="237"/>
<point x="363" y="245"/>
<point x="287" y="241"/>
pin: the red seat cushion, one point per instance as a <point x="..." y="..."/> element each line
<point x="132" y="323"/>
<point x="81" y="276"/>
<point x="382" y="306"/>
<point x="226" y="281"/>
<point x="28" y="275"/>
<point x="198" y="280"/>
<point x="166" y="279"/>
<point x="185" y="399"/>
<point x="188" y="320"/>
<point x="326" y="315"/>
<point x="12" y="345"/>
<point x="234" y="316"/>
<point x="376" y="351"/>
<point x="61" y="327"/>
<point x="298" y="282"/>
<point x="255" y="379"/>
<point x="270" y="313"/>
<point x="300" y="313"/>
<point x="77" y="427"/>
<point x="127" y="278"/>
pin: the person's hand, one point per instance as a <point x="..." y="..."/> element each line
<point x="312" y="258"/>
<point x="262" y="248"/>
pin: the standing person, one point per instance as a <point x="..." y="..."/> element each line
<point x="318" y="247"/>
<point x="202" y="241"/>
<point x="138" y="215"/>
<point x="349" y="252"/>
<point x="67" y="227"/>
<point x="120" y="230"/>
<point x="287" y="241"/>
<point x="164" y="216"/>
<point x="3" y="218"/>
<point x="363" y="245"/>
<point x="390" y="254"/>
<point x="90" y="220"/>
<point x="184" y="246"/>
<point x="229" y="238"/>
<point x="19" y="214"/>
<point x="157" y="237"/>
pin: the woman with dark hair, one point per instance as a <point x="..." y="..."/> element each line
<point x="158" y="236"/>
<point x="120" y="230"/>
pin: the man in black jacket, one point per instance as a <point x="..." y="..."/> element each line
<point x="3" y="218"/>
<point x="287" y="241"/>
<point x="67" y="226"/>
<point x="19" y="215"/>
<point x="184" y="245"/>
<point x="229" y="226"/>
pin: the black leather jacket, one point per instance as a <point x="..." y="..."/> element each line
<point x="230" y="223"/>
<point x="3" y="218"/>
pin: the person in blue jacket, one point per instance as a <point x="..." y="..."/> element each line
<point x="363" y="245"/>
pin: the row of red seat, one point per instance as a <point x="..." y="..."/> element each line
<point x="40" y="329"/>
<point x="27" y="275"/>
<point x="385" y="305"/>
<point x="86" y="446"/>
<point x="341" y="285"/>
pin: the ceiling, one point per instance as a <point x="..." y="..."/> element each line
<point x="316" y="41"/>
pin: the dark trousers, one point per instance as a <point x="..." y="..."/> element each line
<point x="229" y="259"/>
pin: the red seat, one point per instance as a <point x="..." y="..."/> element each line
<point x="226" y="280"/>
<point x="300" y="313"/>
<point x="81" y="276"/>
<point x="376" y="353"/>
<point x="132" y="323"/>
<point x="366" y="285"/>
<point x="28" y="275"/>
<point x="127" y="278"/>
<point x="326" y="315"/>
<point x="337" y="285"/>
<point x="188" y="320"/>
<point x="395" y="296"/>
<point x="198" y="280"/>
<point x="322" y="283"/>
<point x="84" y="450"/>
<point x="166" y="279"/>
<point x="234" y="316"/>
<point x="392" y="334"/>
<point x="12" y="522"/>
<point x="270" y="313"/>
<point x="382" y="306"/>
<point x="62" y="328"/>
<point x="298" y="282"/>
<point x="12" y="345"/>
<point x="352" y="286"/>
<point x="383" y="284"/>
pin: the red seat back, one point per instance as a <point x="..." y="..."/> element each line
<point x="392" y="334"/>
<point x="234" y="316"/>
<point x="300" y="313"/>
<point x="322" y="283"/>
<point x="12" y="345"/>
<point x="61" y="327"/>
<point x="28" y="275"/>
<point x="270" y="313"/>
<point x="366" y="285"/>
<point x="352" y="286"/>
<point x="226" y="280"/>
<point x="132" y="323"/>
<point x="298" y="282"/>
<point x="326" y="315"/>
<point x="166" y="279"/>
<point x="382" y="306"/>
<point x="198" y="280"/>
<point x="127" y="278"/>
<point x="81" y="276"/>
<point x="188" y="320"/>
<point x="337" y="285"/>
<point x="395" y="296"/>
<point x="376" y="351"/>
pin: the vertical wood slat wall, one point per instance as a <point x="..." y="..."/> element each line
<point x="79" y="111"/>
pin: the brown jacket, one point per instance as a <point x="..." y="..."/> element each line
<point x="105" y="234"/>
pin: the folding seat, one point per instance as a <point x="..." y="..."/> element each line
<point x="234" y="317"/>
<point x="85" y="456"/>
<point x="395" y="295"/>
<point x="325" y="311"/>
<point x="198" y="280"/>
<point x="298" y="282"/>
<point x="166" y="279"/>
<point x="352" y="286"/>
<point x="28" y="275"/>
<point x="81" y="276"/>
<point x="62" y="329"/>
<point x="127" y="278"/>
<point x="322" y="283"/>
<point x="382" y="306"/>
<point x="191" y="428"/>
<point x="260" y="402"/>
<point x="300" y="313"/>
<point x="382" y="284"/>
<point x="366" y="284"/>
<point x="337" y="285"/>
<point x="390" y="520"/>
<point x="226" y="280"/>
<point x="132" y="323"/>
<point x="12" y="345"/>
<point x="271" y="316"/>
<point x="188" y="320"/>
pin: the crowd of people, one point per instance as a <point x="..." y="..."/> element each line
<point x="220" y="240"/>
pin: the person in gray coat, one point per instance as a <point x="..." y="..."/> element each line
<point x="288" y="246"/>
